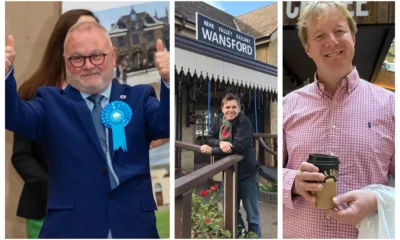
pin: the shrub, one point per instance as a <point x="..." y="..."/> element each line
<point x="273" y="187"/>
<point x="207" y="217"/>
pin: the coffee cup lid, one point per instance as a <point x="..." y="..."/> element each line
<point x="322" y="158"/>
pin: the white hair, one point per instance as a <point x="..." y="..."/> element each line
<point x="87" y="26"/>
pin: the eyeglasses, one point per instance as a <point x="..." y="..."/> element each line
<point x="96" y="59"/>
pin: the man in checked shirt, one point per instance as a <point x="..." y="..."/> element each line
<point x="338" y="114"/>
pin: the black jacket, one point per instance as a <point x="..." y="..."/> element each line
<point x="242" y="141"/>
<point x="29" y="161"/>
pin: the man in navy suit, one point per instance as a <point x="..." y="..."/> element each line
<point x="98" y="187"/>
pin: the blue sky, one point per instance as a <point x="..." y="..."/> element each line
<point x="110" y="16"/>
<point x="238" y="8"/>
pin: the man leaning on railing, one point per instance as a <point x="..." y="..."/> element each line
<point x="232" y="133"/>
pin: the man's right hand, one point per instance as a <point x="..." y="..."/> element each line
<point x="226" y="147"/>
<point x="10" y="54"/>
<point x="205" y="149"/>
<point x="307" y="172"/>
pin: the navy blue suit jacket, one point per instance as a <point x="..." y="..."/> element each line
<point x="81" y="203"/>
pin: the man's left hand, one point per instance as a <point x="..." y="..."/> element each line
<point x="360" y="204"/>
<point x="205" y="149"/>
<point x="162" y="60"/>
<point x="226" y="147"/>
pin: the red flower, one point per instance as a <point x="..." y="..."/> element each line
<point x="213" y="188"/>
<point x="216" y="186"/>
<point x="203" y="193"/>
<point x="207" y="221"/>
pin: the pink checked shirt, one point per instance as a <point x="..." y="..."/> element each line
<point x="357" y="126"/>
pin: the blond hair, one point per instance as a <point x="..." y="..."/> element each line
<point x="319" y="10"/>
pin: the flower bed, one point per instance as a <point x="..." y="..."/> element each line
<point x="207" y="216"/>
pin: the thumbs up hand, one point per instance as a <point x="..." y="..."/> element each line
<point x="162" y="60"/>
<point x="10" y="54"/>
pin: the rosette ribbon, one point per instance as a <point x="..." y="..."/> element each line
<point x="115" y="116"/>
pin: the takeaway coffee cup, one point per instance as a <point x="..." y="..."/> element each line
<point x="329" y="166"/>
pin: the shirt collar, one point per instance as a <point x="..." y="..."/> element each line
<point x="106" y="93"/>
<point x="349" y="82"/>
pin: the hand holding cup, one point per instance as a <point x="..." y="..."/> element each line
<point x="306" y="181"/>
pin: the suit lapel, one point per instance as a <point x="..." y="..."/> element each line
<point x="116" y="91"/>
<point x="84" y="115"/>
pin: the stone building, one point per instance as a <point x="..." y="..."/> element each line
<point x="135" y="36"/>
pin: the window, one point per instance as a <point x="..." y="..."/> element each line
<point x="150" y="36"/>
<point x="201" y="122"/>
<point x="158" y="187"/>
<point x="150" y="58"/>
<point x="135" y="27"/>
<point x="135" y="38"/>
<point x="121" y="41"/>
<point x="121" y="25"/>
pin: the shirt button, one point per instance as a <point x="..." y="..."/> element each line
<point x="332" y="153"/>
<point x="333" y="126"/>
<point x="104" y="170"/>
<point x="110" y="196"/>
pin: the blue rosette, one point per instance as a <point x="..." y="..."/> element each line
<point x="115" y="116"/>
